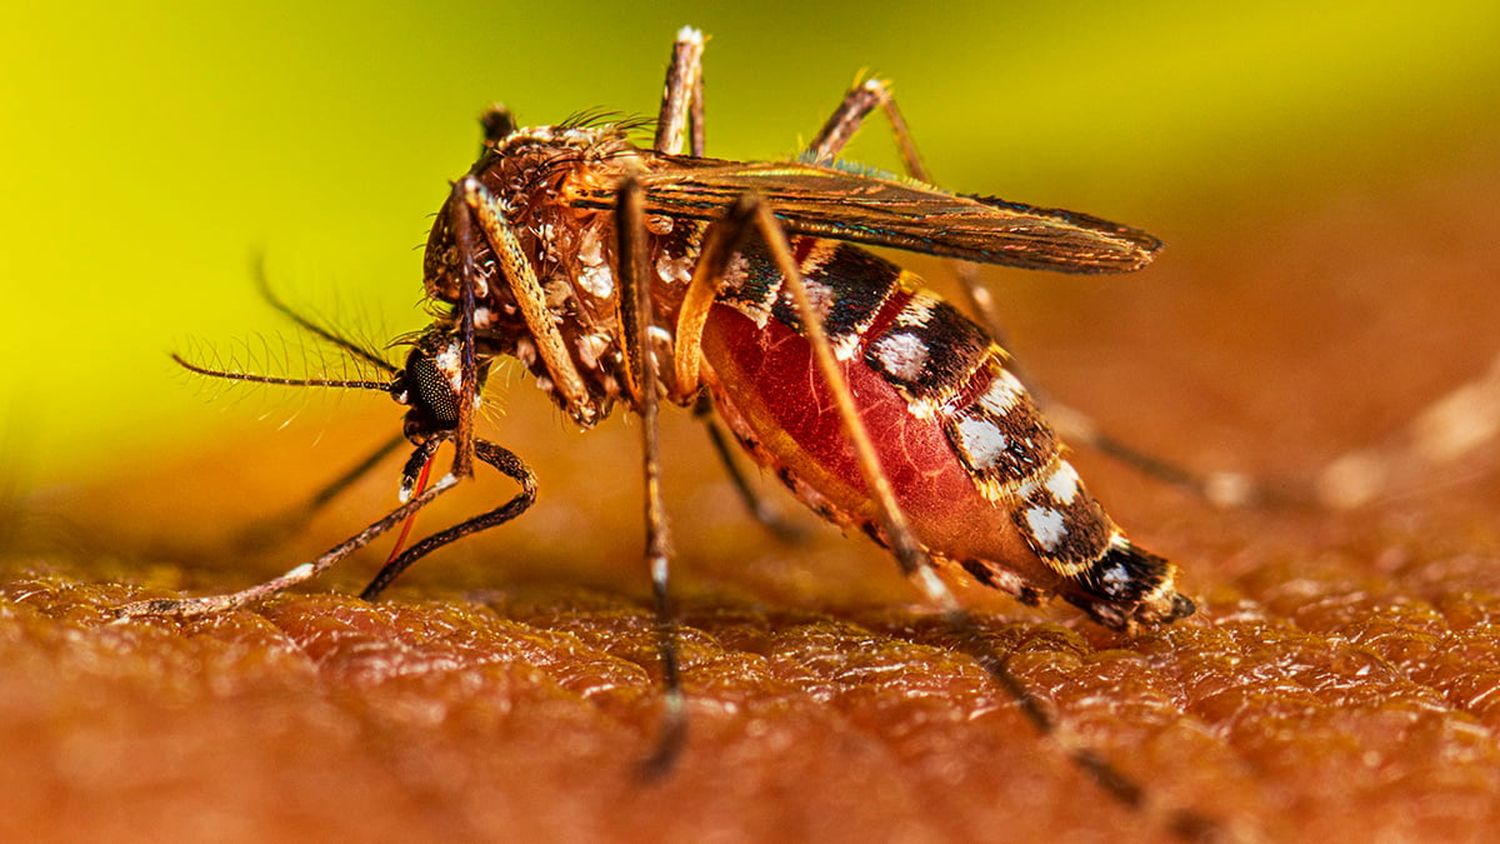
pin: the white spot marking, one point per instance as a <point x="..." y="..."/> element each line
<point x="919" y="310"/>
<point x="1461" y="421"/>
<point x="483" y="317"/>
<point x="1064" y="483"/>
<point x="1352" y="480"/>
<point x="678" y="270"/>
<point x="449" y="363"/>
<point x="902" y="355"/>
<point x="1114" y="577"/>
<point x="1003" y="394"/>
<point x="301" y="572"/>
<point x="1046" y="526"/>
<point x="591" y="347"/>
<point x="934" y="589"/>
<point x="983" y="441"/>
<point x="598" y="281"/>
<point x="525" y="352"/>
<point x="821" y="296"/>
<point x="590" y="248"/>
<point x="844" y="348"/>
<point x="1228" y="489"/>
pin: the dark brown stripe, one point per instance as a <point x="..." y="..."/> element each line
<point x="755" y="291"/>
<point x="927" y="355"/>
<point x="884" y="317"/>
<point x="1126" y="574"/>
<point x="980" y="572"/>
<point x="1003" y="447"/>
<point x="1068" y="534"/>
<point x="978" y="383"/>
<point x="850" y="287"/>
<point x="801" y="248"/>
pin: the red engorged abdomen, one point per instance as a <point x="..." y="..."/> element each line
<point x="768" y="387"/>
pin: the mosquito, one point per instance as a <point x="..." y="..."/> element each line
<point x="625" y="276"/>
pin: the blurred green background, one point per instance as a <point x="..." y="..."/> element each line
<point x="149" y="149"/>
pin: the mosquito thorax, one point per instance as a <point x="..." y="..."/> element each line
<point x="527" y="174"/>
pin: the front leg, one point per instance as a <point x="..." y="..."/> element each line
<point x="503" y="460"/>
<point x="531" y="299"/>
<point x="209" y="604"/>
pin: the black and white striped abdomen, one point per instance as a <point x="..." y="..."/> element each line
<point x="951" y="373"/>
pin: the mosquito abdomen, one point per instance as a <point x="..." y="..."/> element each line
<point x="973" y="463"/>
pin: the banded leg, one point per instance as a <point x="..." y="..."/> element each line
<point x="503" y="460"/>
<point x="500" y="458"/>
<point x="1224" y="489"/>
<point x="630" y="225"/>
<point x="719" y="246"/>
<point x="461" y="218"/>
<point x="682" y="97"/>
<point x="188" y="607"/>
<point x="1449" y="430"/>
<point x="531" y="299"/>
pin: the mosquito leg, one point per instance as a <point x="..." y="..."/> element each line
<point x="503" y="460"/>
<point x="718" y="249"/>
<point x="630" y="223"/>
<point x="518" y="272"/>
<point x="759" y="508"/>
<point x="272" y="530"/>
<point x="1449" y="431"/>
<point x="186" y="607"/>
<point x="910" y="554"/>
<point x="841" y="127"/>
<point x="696" y="114"/>
<point x="682" y="98"/>
<point x="467" y="242"/>
<point x="1224" y="489"/>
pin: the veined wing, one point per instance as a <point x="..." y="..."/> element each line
<point x="835" y="203"/>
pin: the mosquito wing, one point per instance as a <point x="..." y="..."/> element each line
<point x="878" y="210"/>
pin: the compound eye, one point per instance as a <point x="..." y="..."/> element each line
<point x="434" y="391"/>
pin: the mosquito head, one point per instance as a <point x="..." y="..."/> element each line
<point x="431" y="384"/>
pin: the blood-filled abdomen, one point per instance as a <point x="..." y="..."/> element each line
<point x="973" y="464"/>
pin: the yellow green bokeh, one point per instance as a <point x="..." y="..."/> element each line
<point x="149" y="149"/>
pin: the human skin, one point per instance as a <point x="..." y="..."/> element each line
<point x="1339" y="679"/>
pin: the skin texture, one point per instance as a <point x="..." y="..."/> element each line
<point x="1338" y="682"/>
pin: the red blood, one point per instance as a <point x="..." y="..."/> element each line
<point x="766" y="381"/>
